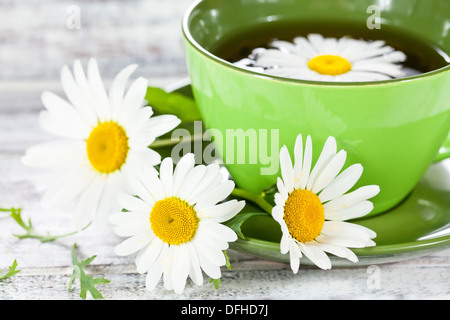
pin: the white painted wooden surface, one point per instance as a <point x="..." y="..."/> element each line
<point x="34" y="44"/>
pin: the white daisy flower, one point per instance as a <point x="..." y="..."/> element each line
<point x="175" y="222"/>
<point x="312" y="205"/>
<point x="316" y="58"/>
<point x="103" y="136"/>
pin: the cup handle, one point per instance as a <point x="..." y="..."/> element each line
<point x="444" y="151"/>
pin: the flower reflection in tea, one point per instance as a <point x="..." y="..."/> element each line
<point x="316" y="58"/>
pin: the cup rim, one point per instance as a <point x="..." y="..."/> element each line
<point x="189" y="37"/>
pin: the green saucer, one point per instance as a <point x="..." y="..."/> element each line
<point x="419" y="226"/>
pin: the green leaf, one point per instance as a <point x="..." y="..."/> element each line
<point x="269" y="194"/>
<point x="87" y="283"/>
<point x="227" y="260"/>
<point x="11" y="272"/>
<point x="174" y="103"/>
<point x="215" y="282"/>
<point x="236" y="222"/>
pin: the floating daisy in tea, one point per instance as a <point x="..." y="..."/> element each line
<point x="311" y="206"/>
<point x="316" y="58"/>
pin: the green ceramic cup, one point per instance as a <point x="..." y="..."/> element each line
<point x="395" y="128"/>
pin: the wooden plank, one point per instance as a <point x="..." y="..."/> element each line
<point x="35" y="43"/>
<point x="36" y="40"/>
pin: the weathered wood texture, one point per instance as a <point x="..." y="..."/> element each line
<point x="34" y="44"/>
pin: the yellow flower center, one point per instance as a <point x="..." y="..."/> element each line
<point x="304" y="215"/>
<point x="107" y="147"/>
<point x="173" y="220"/>
<point x="330" y="65"/>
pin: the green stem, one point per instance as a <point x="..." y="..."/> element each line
<point x="30" y="231"/>
<point x="253" y="197"/>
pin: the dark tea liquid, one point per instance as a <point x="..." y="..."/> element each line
<point x="421" y="56"/>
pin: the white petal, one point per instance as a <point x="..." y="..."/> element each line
<point x="296" y="73"/>
<point x="166" y="176"/>
<point x="108" y="203"/>
<point x="209" y="248"/>
<point x="211" y="179"/>
<point x="285" y="243"/>
<point x="62" y="119"/>
<point x="343" y="182"/>
<point x="316" y="41"/>
<point x="346" y="234"/>
<point x="346" y="241"/>
<point x="294" y="256"/>
<point x="55" y="153"/>
<point x="134" y="204"/>
<point x="153" y="276"/>
<point x="167" y="262"/>
<point x="272" y="57"/>
<point x="379" y="67"/>
<point x="191" y="181"/>
<point x="357" y="210"/>
<point x="214" y="195"/>
<point x="362" y="76"/>
<point x="210" y="268"/>
<point x="217" y="231"/>
<point x="68" y="187"/>
<point x="330" y="46"/>
<point x="101" y="102"/>
<point x="280" y="199"/>
<point x="142" y="157"/>
<point x="287" y="172"/>
<point x="307" y="159"/>
<point x="328" y="152"/>
<point x="133" y="98"/>
<point x="136" y="124"/>
<point x="148" y="255"/>
<point x="223" y="211"/>
<point x="117" y="89"/>
<point x="285" y="46"/>
<point x="195" y="271"/>
<point x="367" y="53"/>
<point x="278" y="213"/>
<point x="339" y="251"/>
<point x="80" y="99"/>
<point x="353" y="228"/>
<point x="185" y="165"/>
<point x="282" y="190"/>
<point x="152" y="183"/>
<point x="316" y="255"/>
<point x="363" y="193"/>
<point x="298" y="160"/>
<point x="141" y="138"/>
<point x="139" y="189"/>
<point x="305" y="46"/>
<point x="80" y="76"/>
<point x="132" y="228"/>
<point x="330" y="171"/>
<point x="181" y="267"/>
<point x="133" y="244"/>
<point x="88" y="203"/>
<point x="126" y="217"/>
<point x="162" y="124"/>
